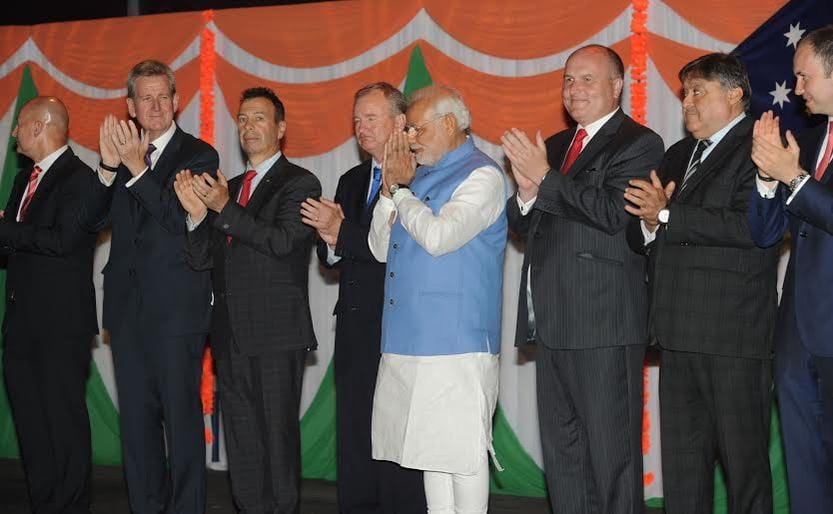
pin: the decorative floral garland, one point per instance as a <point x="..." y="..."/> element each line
<point x="639" y="59"/>
<point x="207" y="67"/>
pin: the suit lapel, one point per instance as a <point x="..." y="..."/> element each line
<point x="262" y="191"/>
<point x="166" y="163"/>
<point x="16" y="195"/>
<point x="711" y="165"/>
<point x="47" y="182"/>
<point x="597" y="143"/>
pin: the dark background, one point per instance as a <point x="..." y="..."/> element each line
<point x="37" y="11"/>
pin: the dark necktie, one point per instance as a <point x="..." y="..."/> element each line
<point x="30" y="190"/>
<point x="828" y="151"/>
<point x="245" y="192"/>
<point x="150" y="151"/>
<point x="375" y="185"/>
<point x="696" y="158"/>
<point x="574" y="151"/>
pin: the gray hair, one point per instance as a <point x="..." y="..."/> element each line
<point x="445" y="100"/>
<point x="149" y="68"/>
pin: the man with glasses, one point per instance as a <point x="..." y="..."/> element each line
<point x="441" y="229"/>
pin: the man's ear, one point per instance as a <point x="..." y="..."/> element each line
<point x="131" y="107"/>
<point x="399" y="122"/>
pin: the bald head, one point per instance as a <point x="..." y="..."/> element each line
<point x="41" y="127"/>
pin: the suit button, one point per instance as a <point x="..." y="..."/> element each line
<point x="354" y="309"/>
<point x="537" y="234"/>
<point x="131" y="273"/>
<point x="351" y="282"/>
<point x="391" y="301"/>
<point x="395" y="246"/>
<point x="803" y="233"/>
<point x="391" y="274"/>
<point x="226" y="226"/>
<point x="11" y="297"/>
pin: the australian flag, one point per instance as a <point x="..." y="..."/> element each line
<point x="768" y="56"/>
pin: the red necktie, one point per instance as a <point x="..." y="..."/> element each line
<point x="245" y="192"/>
<point x="30" y="190"/>
<point x="575" y="149"/>
<point x="828" y="150"/>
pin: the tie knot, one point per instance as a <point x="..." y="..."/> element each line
<point x="249" y="176"/>
<point x="35" y="172"/>
<point x="148" y="154"/>
<point x="377" y="173"/>
<point x="580" y="135"/>
<point x="830" y="130"/>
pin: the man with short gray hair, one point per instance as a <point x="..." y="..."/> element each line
<point x="441" y="228"/>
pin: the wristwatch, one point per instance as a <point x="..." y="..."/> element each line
<point x="662" y="216"/>
<point x="797" y="180"/>
<point x="396" y="187"/>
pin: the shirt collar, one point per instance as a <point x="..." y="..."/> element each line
<point x="50" y="159"/>
<point x="162" y="141"/>
<point x="264" y="166"/>
<point x="593" y="128"/>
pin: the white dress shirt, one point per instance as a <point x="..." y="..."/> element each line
<point x="332" y="258"/>
<point x="44" y="165"/>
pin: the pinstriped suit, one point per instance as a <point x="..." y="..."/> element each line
<point x="589" y="299"/>
<point x="713" y="315"/>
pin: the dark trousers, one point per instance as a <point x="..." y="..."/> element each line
<point x="804" y="383"/>
<point x="590" y="415"/>
<point x="158" y="383"/>
<point x="261" y="397"/>
<point x="366" y="486"/>
<point x="715" y="409"/>
<point x="46" y="381"/>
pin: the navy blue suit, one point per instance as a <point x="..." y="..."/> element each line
<point x="804" y="331"/>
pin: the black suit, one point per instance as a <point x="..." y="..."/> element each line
<point x="589" y="300"/>
<point x="261" y="330"/>
<point x="48" y="328"/>
<point x="364" y="486"/>
<point x="157" y="310"/>
<point x="713" y="314"/>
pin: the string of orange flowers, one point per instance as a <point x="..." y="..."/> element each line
<point x="207" y="65"/>
<point x="639" y="59"/>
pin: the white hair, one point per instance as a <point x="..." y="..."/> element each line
<point x="446" y="100"/>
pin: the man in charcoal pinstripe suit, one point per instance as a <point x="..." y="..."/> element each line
<point x="258" y="251"/>
<point x="583" y="293"/>
<point x="714" y="299"/>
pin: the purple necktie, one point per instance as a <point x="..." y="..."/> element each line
<point x="150" y="151"/>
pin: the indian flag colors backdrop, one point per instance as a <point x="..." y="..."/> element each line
<point x="506" y="58"/>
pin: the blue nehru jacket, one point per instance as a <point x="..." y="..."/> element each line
<point x="449" y="304"/>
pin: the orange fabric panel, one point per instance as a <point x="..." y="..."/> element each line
<point x="101" y="52"/>
<point x="318" y="115"/>
<point x="499" y="103"/>
<point x="726" y="20"/>
<point x="86" y="114"/>
<point x="11" y="38"/>
<point x="313" y="35"/>
<point x="523" y="30"/>
<point x="669" y="57"/>
<point x="9" y="86"/>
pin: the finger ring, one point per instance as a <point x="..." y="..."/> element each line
<point x="316" y="218"/>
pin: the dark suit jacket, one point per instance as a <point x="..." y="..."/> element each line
<point x="49" y="283"/>
<point x="147" y="269"/>
<point x="362" y="278"/>
<point x="261" y="299"/>
<point x="713" y="288"/>
<point x="809" y="217"/>
<point x="588" y="286"/>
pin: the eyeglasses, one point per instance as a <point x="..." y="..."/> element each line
<point x="417" y="130"/>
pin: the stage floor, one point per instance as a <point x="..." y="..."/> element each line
<point x="317" y="496"/>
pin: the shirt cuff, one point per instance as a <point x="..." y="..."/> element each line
<point x="765" y="189"/>
<point x="191" y="224"/>
<point x="525" y="207"/>
<point x="798" y="188"/>
<point x="105" y="181"/>
<point x="332" y="258"/>
<point x="136" y="178"/>
<point x="647" y="235"/>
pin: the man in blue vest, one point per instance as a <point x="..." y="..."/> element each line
<point x="441" y="228"/>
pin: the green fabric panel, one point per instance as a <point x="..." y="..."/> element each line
<point x="104" y="421"/>
<point x="418" y="75"/>
<point x="318" y="432"/>
<point x="27" y="91"/>
<point x="520" y="475"/>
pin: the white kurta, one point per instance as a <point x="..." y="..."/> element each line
<point x="435" y="413"/>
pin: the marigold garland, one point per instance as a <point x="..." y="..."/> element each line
<point x="639" y="59"/>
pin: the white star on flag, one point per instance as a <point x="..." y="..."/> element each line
<point x="781" y="94"/>
<point x="794" y="35"/>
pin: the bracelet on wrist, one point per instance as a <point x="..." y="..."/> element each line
<point x="111" y="169"/>
<point x="764" y="178"/>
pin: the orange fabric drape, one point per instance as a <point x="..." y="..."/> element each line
<point x="11" y="39"/>
<point x="309" y="36"/>
<point x="9" y="86"/>
<point x="726" y="20"/>
<point x="499" y="103"/>
<point x="669" y="57"/>
<point x="317" y="114"/>
<point x="523" y="30"/>
<point x="86" y="113"/>
<point x="101" y="52"/>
